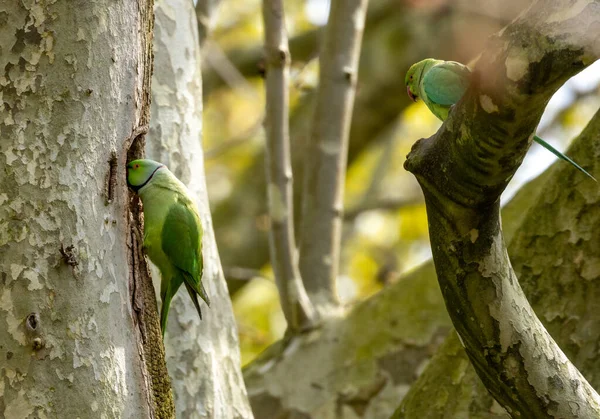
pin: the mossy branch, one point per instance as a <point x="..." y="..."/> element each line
<point x="463" y="169"/>
<point x="561" y="285"/>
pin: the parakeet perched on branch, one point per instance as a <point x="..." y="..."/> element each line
<point x="441" y="84"/>
<point x="172" y="231"/>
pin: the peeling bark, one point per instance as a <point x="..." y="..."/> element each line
<point x="554" y="253"/>
<point x="202" y="356"/>
<point x="77" y="339"/>
<point x="478" y="150"/>
<point x="356" y="366"/>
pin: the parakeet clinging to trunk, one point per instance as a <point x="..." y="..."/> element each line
<point x="172" y="231"/>
<point x="441" y="84"/>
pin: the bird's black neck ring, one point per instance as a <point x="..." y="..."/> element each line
<point x="137" y="188"/>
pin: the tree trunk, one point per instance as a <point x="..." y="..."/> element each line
<point x="356" y="366"/>
<point x="80" y="334"/>
<point x="326" y="157"/>
<point x="202" y="356"/>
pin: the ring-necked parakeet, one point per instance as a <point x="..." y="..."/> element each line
<point x="441" y="84"/>
<point x="172" y="231"/>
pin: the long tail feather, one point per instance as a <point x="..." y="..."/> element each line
<point x="561" y="155"/>
<point x="194" y="297"/>
<point x="164" y="313"/>
<point x="203" y="294"/>
<point x="197" y="287"/>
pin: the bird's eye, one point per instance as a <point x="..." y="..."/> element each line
<point x="136" y="166"/>
<point x="411" y="77"/>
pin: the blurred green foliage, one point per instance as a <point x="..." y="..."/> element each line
<point x="385" y="234"/>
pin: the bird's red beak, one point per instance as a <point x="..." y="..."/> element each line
<point x="410" y="94"/>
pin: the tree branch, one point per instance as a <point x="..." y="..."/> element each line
<point x="303" y="47"/>
<point x="235" y="140"/>
<point x="295" y="304"/>
<point x="478" y="149"/>
<point x="562" y="289"/>
<point x="228" y="72"/>
<point x="239" y="273"/>
<point x="325" y="162"/>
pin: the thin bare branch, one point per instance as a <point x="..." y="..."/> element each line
<point x="559" y="116"/>
<point x="295" y="304"/>
<point x="377" y="106"/>
<point x="236" y="140"/>
<point x="325" y="164"/>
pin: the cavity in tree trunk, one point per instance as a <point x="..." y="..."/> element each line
<point x="80" y="333"/>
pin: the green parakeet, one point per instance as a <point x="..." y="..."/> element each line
<point x="172" y="231"/>
<point x="441" y="84"/>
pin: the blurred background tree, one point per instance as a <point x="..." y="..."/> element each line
<point x="385" y="229"/>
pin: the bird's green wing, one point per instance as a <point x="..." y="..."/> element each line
<point x="182" y="243"/>
<point x="446" y="83"/>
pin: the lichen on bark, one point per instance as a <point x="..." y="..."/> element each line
<point x="478" y="152"/>
<point x="71" y="93"/>
<point x="357" y="365"/>
<point x="561" y="284"/>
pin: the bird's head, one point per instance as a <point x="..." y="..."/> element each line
<point x="413" y="78"/>
<point x="140" y="172"/>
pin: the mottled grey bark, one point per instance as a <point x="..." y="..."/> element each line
<point x="356" y="366"/>
<point x="202" y="356"/>
<point x="555" y="255"/>
<point x="478" y="150"/>
<point x="79" y="331"/>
